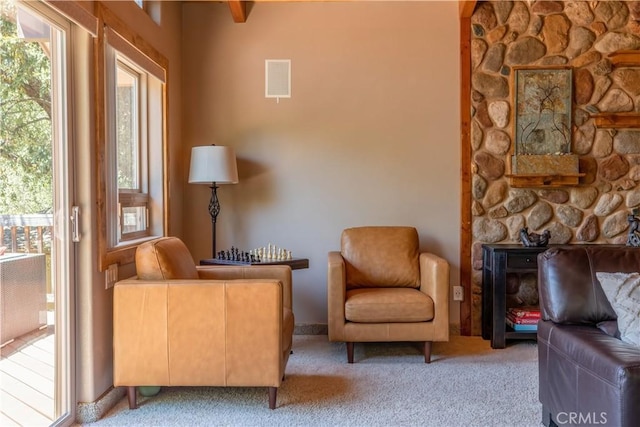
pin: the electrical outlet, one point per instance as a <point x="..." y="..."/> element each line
<point x="111" y="276"/>
<point x="458" y="293"/>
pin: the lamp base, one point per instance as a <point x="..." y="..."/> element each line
<point x="214" y="210"/>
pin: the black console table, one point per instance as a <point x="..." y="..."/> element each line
<point x="497" y="261"/>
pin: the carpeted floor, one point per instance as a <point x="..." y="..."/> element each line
<point x="467" y="384"/>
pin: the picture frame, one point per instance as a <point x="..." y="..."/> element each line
<point x="542" y="100"/>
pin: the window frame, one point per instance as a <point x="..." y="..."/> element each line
<point x="139" y="52"/>
<point x="138" y="195"/>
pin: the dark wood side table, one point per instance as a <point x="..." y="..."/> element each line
<point x="294" y="263"/>
<point x="497" y="261"/>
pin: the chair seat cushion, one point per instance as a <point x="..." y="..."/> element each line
<point x="384" y="305"/>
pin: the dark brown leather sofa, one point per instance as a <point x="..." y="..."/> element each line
<point x="588" y="376"/>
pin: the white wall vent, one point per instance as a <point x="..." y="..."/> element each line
<point x="277" y="81"/>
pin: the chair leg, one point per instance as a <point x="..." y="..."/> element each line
<point x="427" y="352"/>
<point x="132" y="396"/>
<point x="350" y="352"/>
<point x="273" y="394"/>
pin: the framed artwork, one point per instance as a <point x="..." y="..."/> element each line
<point x="542" y="110"/>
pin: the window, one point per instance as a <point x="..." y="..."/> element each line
<point x="131" y="148"/>
<point x="133" y="160"/>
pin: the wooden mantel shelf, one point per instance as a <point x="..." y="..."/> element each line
<point x="617" y="120"/>
<point x="536" y="181"/>
<point x="625" y="58"/>
<point x="621" y="58"/>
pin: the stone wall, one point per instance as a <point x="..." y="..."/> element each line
<point x="579" y="34"/>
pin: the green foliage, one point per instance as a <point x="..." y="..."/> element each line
<point x="125" y="133"/>
<point x="25" y="123"/>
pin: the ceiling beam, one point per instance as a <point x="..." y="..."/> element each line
<point x="238" y="10"/>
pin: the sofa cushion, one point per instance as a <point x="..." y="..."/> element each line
<point x="623" y="293"/>
<point x="568" y="287"/>
<point x="383" y="305"/>
<point x="165" y="259"/>
<point x="381" y="257"/>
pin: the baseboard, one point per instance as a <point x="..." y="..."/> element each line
<point x="93" y="411"/>
<point x="322" y="329"/>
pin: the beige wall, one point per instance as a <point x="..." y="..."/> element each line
<point x="369" y="137"/>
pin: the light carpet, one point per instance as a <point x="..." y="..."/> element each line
<point x="466" y="384"/>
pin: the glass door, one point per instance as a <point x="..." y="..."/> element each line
<point x="36" y="249"/>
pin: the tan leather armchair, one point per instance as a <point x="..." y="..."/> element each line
<point x="380" y="288"/>
<point x="178" y="324"/>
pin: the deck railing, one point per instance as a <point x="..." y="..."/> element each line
<point x="27" y="233"/>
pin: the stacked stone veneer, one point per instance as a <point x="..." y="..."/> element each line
<point x="579" y="34"/>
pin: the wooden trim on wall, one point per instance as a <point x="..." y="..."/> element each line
<point x="107" y="17"/>
<point x="100" y="140"/>
<point x="77" y="13"/>
<point x="465" y="174"/>
<point x="466" y="10"/>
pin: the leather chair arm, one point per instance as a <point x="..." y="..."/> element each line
<point x="336" y="295"/>
<point x="584" y="370"/>
<point x="233" y="272"/>
<point x="434" y="281"/>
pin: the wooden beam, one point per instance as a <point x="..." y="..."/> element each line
<point x="238" y="10"/>
<point x="466" y="282"/>
<point x="625" y="58"/>
<point x="466" y="8"/>
<point x="617" y="120"/>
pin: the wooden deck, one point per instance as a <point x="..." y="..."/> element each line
<point x="27" y="381"/>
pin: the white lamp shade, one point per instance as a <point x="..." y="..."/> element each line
<point x="213" y="163"/>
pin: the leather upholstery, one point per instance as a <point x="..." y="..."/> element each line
<point x="381" y="257"/>
<point x="380" y="288"/>
<point x="384" y="305"/>
<point x="163" y="259"/>
<point x="228" y="326"/>
<point x="583" y="368"/>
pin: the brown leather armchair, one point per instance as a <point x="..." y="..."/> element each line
<point x="178" y="324"/>
<point x="381" y="288"/>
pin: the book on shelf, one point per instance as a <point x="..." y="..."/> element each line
<point x="519" y="327"/>
<point x="522" y="320"/>
<point x="525" y="312"/>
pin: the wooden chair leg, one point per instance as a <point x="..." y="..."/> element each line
<point x="427" y="352"/>
<point x="350" y="352"/>
<point x="273" y="394"/>
<point x="132" y="396"/>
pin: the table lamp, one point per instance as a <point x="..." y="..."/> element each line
<point x="212" y="165"/>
